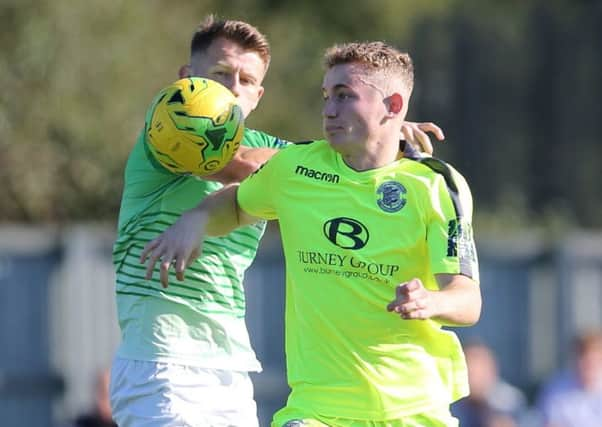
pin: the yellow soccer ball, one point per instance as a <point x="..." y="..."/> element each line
<point x="194" y="127"/>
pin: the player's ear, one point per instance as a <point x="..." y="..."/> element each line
<point x="395" y="103"/>
<point x="260" y="91"/>
<point x="184" y="71"/>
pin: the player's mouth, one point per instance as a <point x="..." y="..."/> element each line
<point x="330" y="129"/>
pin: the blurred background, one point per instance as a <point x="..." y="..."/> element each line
<point x="516" y="86"/>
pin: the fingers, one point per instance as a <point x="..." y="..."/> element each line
<point x="400" y="296"/>
<point x="413" y="285"/>
<point x="164" y="272"/>
<point x="148" y="248"/>
<point x="400" y="292"/>
<point x="180" y="265"/>
<point x="153" y="252"/>
<point x="157" y="251"/>
<point x="432" y="128"/>
<point x="413" y="310"/>
<point x="411" y="300"/>
<point x="417" y="134"/>
<point x="167" y="260"/>
<point x="419" y="139"/>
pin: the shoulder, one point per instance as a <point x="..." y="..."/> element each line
<point x="439" y="169"/>
<point x="142" y="167"/>
<point x="441" y="177"/>
<point x="142" y="161"/>
<point x="439" y="172"/>
<point x="255" y="138"/>
<point x="309" y="147"/>
<point x="292" y="157"/>
<point x="303" y="149"/>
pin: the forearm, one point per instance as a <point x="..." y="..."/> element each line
<point x="223" y="212"/>
<point x="245" y="162"/>
<point x="458" y="302"/>
<point x="219" y="211"/>
<point x="181" y="243"/>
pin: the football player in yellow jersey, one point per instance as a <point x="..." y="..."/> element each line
<point x="379" y="255"/>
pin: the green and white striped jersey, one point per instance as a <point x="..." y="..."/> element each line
<point x="199" y="321"/>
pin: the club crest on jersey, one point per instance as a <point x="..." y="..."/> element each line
<point x="392" y="196"/>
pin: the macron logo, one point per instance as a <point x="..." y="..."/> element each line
<point x="320" y="176"/>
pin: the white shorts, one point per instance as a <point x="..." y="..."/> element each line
<point x="153" y="394"/>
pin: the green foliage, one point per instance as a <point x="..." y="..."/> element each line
<point x="515" y="85"/>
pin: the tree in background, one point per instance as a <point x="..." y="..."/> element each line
<point x="515" y="86"/>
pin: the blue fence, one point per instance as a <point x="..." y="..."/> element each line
<point x="58" y="328"/>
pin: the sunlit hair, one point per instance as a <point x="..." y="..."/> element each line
<point x="239" y="32"/>
<point x="376" y="57"/>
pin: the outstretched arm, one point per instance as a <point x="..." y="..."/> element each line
<point x="248" y="160"/>
<point x="180" y="244"/>
<point x="457" y="303"/>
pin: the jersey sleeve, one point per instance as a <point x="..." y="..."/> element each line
<point x="255" y="194"/>
<point x="257" y="139"/>
<point x="449" y="231"/>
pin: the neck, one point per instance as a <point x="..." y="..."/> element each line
<point x="374" y="155"/>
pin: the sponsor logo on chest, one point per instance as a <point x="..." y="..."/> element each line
<point x="317" y="175"/>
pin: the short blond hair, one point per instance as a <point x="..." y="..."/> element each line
<point x="242" y="33"/>
<point x="376" y="57"/>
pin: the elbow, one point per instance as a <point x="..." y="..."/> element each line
<point x="469" y="312"/>
<point x="473" y="320"/>
<point x="233" y="173"/>
<point x="474" y="314"/>
<point x="238" y="170"/>
<point x="242" y="165"/>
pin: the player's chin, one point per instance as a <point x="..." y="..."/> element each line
<point x="336" y="140"/>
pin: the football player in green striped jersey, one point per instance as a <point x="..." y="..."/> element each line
<point x="185" y="352"/>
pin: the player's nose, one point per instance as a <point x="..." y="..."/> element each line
<point x="329" y="109"/>
<point x="235" y="85"/>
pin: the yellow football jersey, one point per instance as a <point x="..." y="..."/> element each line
<point x="349" y="238"/>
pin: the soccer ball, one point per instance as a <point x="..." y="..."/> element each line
<point x="194" y="127"/>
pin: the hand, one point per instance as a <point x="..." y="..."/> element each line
<point x="416" y="134"/>
<point x="179" y="246"/>
<point x="412" y="301"/>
